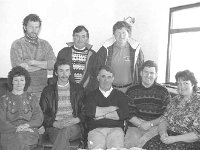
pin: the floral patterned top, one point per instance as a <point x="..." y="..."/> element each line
<point x="19" y="109"/>
<point x="184" y="117"/>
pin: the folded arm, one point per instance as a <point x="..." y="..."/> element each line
<point x="29" y="68"/>
<point x="37" y="63"/>
<point x="112" y="115"/>
<point x="102" y="111"/>
<point x="18" y="57"/>
<point x="188" y="137"/>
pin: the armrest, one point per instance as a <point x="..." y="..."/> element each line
<point x="3" y="86"/>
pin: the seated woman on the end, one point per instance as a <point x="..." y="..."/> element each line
<point x="180" y="128"/>
<point x="20" y="113"/>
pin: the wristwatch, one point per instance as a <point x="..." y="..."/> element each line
<point x="151" y="124"/>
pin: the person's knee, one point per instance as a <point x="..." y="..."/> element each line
<point x="134" y="133"/>
<point x="132" y="137"/>
<point x="96" y="140"/>
<point x="115" y="139"/>
<point x="65" y="133"/>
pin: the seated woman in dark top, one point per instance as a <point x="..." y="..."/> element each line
<point x="20" y="113"/>
<point x="180" y="127"/>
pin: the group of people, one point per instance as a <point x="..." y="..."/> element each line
<point x="109" y="99"/>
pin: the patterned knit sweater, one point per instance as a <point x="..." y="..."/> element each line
<point x="79" y="58"/>
<point x="147" y="103"/>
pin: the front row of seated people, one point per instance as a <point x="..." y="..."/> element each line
<point x="155" y="121"/>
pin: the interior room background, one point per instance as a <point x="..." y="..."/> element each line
<point x="60" y="17"/>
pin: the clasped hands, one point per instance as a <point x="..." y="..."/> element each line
<point x="64" y="123"/>
<point x="24" y="127"/>
<point x="145" y="125"/>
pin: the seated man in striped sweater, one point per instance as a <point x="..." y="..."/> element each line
<point x="61" y="103"/>
<point x="146" y="106"/>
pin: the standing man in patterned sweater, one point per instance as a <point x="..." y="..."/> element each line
<point x="34" y="54"/>
<point x="146" y="106"/>
<point x="81" y="57"/>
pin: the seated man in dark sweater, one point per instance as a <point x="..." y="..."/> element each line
<point x="106" y="109"/>
<point x="147" y="105"/>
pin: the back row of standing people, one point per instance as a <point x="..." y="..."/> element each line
<point x="121" y="52"/>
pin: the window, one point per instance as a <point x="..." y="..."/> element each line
<point x="183" y="41"/>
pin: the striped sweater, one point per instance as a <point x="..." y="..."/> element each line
<point x="147" y="103"/>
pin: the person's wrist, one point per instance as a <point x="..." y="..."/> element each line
<point x="104" y="116"/>
<point x="164" y="134"/>
<point x="139" y="125"/>
<point x="27" y="125"/>
<point x="151" y="124"/>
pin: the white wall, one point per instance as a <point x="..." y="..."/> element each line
<point x="60" y="17"/>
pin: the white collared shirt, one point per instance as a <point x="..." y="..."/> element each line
<point x="79" y="48"/>
<point x="59" y="85"/>
<point x="106" y="93"/>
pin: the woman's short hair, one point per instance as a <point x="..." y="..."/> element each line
<point x="187" y="75"/>
<point x="16" y="72"/>
<point x="122" y="24"/>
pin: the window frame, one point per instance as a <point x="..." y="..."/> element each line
<point x="175" y="31"/>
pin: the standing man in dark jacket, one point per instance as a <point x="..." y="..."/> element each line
<point x="81" y="57"/>
<point x="61" y="103"/>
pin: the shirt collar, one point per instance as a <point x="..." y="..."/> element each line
<point x="79" y="48"/>
<point x="147" y="87"/>
<point x="106" y="93"/>
<point x="63" y="85"/>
